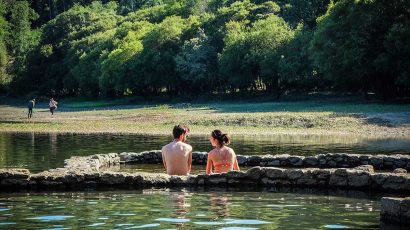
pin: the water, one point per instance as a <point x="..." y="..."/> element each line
<point x="39" y="152"/>
<point x="164" y="209"/>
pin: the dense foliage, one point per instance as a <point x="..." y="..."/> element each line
<point x="197" y="47"/>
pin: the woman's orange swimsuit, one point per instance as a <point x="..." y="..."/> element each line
<point x="223" y="164"/>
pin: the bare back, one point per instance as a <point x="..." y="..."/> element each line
<point x="177" y="158"/>
<point x="222" y="160"/>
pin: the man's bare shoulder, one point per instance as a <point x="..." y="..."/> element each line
<point x="185" y="146"/>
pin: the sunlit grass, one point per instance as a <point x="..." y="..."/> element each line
<point x="303" y="118"/>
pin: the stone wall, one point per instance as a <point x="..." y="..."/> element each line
<point x="395" y="210"/>
<point x="355" y="179"/>
<point x="329" y="160"/>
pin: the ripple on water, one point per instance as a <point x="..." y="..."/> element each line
<point x="147" y="226"/>
<point x="122" y="225"/>
<point x="57" y="228"/>
<point x="233" y="221"/>
<point x="173" y="220"/>
<point x="200" y="215"/>
<point x="125" y="214"/>
<point x="50" y="218"/>
<point x="283" y="205"/>
<point x="237" y="228"/>
<point x="7" y="223"/>
<point x="96" y="224"/>
<point x="209" y="223"/>
<point x="336" y="226"/>
<point x="4" y="209"/>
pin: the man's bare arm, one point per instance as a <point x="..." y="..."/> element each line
<point x="190" y="161"/>
<point x="163" y="159"/>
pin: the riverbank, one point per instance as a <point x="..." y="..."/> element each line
<point x="262" y="118"/>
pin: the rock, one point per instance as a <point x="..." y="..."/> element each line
<point x="273" y="163"/>
<point x="275" y="173"/>
<point x="124" y="156"/>
<point x="310" y="161"/>
<point x="400" y="171"/>
<point x="376" y="161"/>
<point x="366" y="168"/>
<point x="321" y="160"/>
<point x="154" y="179"/>
<point x="14" y="173"/>
<point x="178" y="180"/>
<point x="405" y="211"/>
<point x="294" y="174"/>
<point x="394" y="182"/>
<point x="378" y="179"/>
<point x="254" y="173"/>
<point x="254" y="160"/>
<point x="296" y="160"/>
<point x="390" y="209"/>
<point x="364" y="159"/>
<point x="235" y="175"/>
<point x="321" y="174"/>
<point x="353" y="159"/>
<point x="358" y="179"/>
<point x="307" y="178"/>
<point x="112" y="178"/>
<point x="217" y="179"/>
<point x="242" y="160"/>
<point x="339" y="178"/>
<point x="306" y="181"/>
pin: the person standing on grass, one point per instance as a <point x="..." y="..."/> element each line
<point x="53" y="106"/>
<point x="30" y="106"/>
<point x="177" y="155"/>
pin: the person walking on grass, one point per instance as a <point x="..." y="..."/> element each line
<point x="53" y="106"/>
<point x="177" y="155"/>
<point x="30" y="106"/>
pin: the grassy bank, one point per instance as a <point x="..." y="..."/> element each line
<point x="302" y="117"/>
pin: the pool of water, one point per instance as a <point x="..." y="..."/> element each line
<point x="172" y="209"/>
<point x="39" y="152"/>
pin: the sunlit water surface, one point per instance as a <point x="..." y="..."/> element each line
<point x="164" y="209"/>
<point x="39" y="152"/>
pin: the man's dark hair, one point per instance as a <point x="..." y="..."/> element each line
<point x="179" y="130"/>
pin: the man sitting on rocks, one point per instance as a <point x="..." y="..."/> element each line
<point x="177" y="155"/>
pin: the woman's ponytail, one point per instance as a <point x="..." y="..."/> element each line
<point x="222" y="138"/>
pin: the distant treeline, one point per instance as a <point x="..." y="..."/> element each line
<point x="201" y="47"/>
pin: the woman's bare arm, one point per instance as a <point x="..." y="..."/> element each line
<point x="235" y="162"/>
<point x="209" y="165"/>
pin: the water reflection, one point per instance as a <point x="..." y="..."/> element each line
<point x="188" y="209"/>
<point x="53" y="143"/>
<point x="219" y="205"/>
<point x="40" y="152"/>
<point x="181" y="204"/>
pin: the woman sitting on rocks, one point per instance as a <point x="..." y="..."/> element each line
<point x="221" y="158"/>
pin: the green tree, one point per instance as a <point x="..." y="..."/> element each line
<point x="353" y="43"/>
<point x="196" y="63"/>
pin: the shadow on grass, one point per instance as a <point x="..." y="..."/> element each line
<point x="308" y="106"/>
<point x="28" y="121"/>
